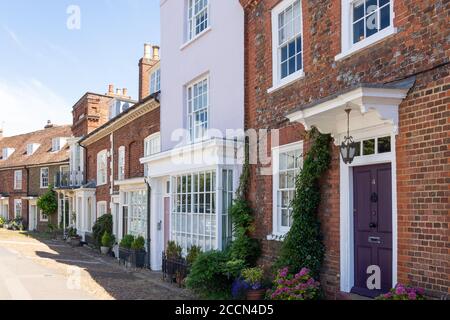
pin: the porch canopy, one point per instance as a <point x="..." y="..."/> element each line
<point x="373" y="105"/>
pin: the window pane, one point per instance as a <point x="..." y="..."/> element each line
<point x="385" y="17"/>
<point x="358" y="31"/>
<point x="284" y="217"/>
<point x="371" y="24"/>
<point x="284" y="71"/>
<point x="383" y="2"/>
<point x="384" y="144"/>
<point x="358" y="149"/>
<point x="369" y="147"/>
<point x="358" y="10"/>
<point x="292" y="65"/>
<point x="283" y="53"/>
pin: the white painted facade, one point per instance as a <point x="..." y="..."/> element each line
<point x="217" y="52"/>
<point x="214" y="58"/>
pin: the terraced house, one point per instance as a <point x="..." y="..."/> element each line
<point x="309" y="63"/>
<point x="112" y="133"/>
<point x="29" y="164"/>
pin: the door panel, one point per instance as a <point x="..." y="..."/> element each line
<point x="166" y="221"/>
<point x="372" y="226"/>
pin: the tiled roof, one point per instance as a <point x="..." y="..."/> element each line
<point x="42" y="155"/>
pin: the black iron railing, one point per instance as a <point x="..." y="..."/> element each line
<point x="174" y="268"/>
<point x="72" y="179"/>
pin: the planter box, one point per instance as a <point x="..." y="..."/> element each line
<point x="124" y="255"/>
<point x="75" y="242"/>
<point x="138" y="258"/>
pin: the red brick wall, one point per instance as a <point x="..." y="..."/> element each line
<point x="420" y="44"/>
<point x="423" y="154"/>
<point x="7" y="188"/>
<point x="95" y="109"/>
<point x="132" y="137"/>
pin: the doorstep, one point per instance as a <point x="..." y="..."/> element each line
<point x="351" y="296"/>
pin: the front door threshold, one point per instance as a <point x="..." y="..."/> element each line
<point x="353" y="296"/>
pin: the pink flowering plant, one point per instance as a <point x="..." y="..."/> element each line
<point x="402" y="292"/>
<point x="300" y="286"/>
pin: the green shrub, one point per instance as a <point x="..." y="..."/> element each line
<point x="108" y="240"/>
<point x="127" y="241"/>
<point x="173" y="250"/>
<point x="209" y="276"/>
<point x="102" y="225"/>
<point x="138" y="243"/>
<point x="303" y="245"/>
<point x="72" y="232"/>
<point x="193" y="253"/>
<point x="2" y="221"/>
<point x="48" y="202"/>
<point x="253" y="276"/>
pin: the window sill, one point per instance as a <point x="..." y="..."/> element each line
<point x="278" y="236"/>
<point x="287" y="81"/>
<point x="376" y="38"/>
<point x="189" y="42"/>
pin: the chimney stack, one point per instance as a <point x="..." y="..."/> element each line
<point x="118" y="92"/>
<point x="48" y="125"/>
<point x="1" y="133"/>
<point x="150" y="58"/>
<point x="110" y="90"/>
<point x="125" y="92"/>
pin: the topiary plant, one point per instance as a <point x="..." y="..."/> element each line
<point x="102" y="225"/>
<point x="138" y="243"/>
<point x="127" y="241"/>
<point x="173" y="250"/>
<point x="48" y="202"/>
<point x="303" y="245"/>
<point x="193" y="253"/>
<point x="108" y="240"/>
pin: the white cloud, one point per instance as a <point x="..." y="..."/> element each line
<point x="26" y="106"/>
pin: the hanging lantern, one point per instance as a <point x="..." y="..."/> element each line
<point x="348" y="146"/>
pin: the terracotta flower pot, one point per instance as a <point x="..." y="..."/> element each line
<point x="256" y="294"/>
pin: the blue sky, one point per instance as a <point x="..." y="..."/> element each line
<point x="45" y="67"/>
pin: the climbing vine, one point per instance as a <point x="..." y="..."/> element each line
<point x="48" y="202"/>
<point x="243" y="247"/>
<point x="303" y="245"/>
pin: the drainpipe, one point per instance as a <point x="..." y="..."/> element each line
<point x="149" y="202"/>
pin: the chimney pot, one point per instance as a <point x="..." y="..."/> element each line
<point x="111" y="89"/>
<point x="48" y="125"/>
<point x="147" y="51"/>
<point x="118" y="92"/>
<point x="155" y="52"/>
<point x="125" y="92"/>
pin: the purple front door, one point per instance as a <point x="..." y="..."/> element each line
<point x="372" y="226"/>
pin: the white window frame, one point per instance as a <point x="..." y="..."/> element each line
<point x="277" y="230"/>
<point x="121" y="163"/>
<point x="7" y="152"/>
<point x="102" y="208"/>
<point x="190" y="25"/>
<point x="18" y="181"/>
<point x="150" y="148"/>
<point x="155" y="81"/>
<point x="42" y="217"/>
<point x="347" y="46"/>
<point x="277" y="82"/>
<point x="56" y="144"/>
<point x="102" y="172"/>
<point x="41" y="178"/>
<point x="17" y="205"/>
<point x="32" y="148"/>
<point x="191" y="127"/>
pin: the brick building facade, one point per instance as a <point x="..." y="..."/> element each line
<point x="417" y="49"/>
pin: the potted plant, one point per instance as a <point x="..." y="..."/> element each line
<point x="74" y="238"/>
<point x="254" y="278"/>
<point x="107" y="242"/>
<point x="138" y="252"/>
<point x="300" y="286"/>
<point x="125" y="248"/>
<point x="403" y="292"/>
<point x="171" y="260"/>
<point x="2" y="222"/>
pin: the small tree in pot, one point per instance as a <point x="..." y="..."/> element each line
<point x="125" y="248"/>
<point x="73" y="237"/>
<point x="107" y="242"/>
<point x="254" y="277"/>
<point x="138" y="252"/>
